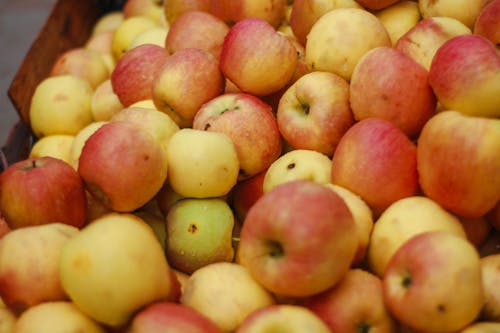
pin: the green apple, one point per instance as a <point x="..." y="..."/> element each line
<point x="199" y="232"/>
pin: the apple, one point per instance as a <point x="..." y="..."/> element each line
<point x="55" y="145"/>
<point x="79" y="141"/>
<point x="271" y="239"/>
<point x="377" y="161"/>
<point x="157" y="223"/>
<point x="245" y="193"/>
<point x="225" y="293"/>
<point x="148" y="8"/>
<point x="343" y="310"/>
<point x="60" y="105"/>
<point x="29" y="270"/>
<point x="422" y="40"/>
<point x="460" y="170"/>
<point x="175" y="8"/>
<point x="169" y="317"/>
<point x="256" y="58"/>
<point x="155" y="36"/>
<point x="341" y="37"/>
<point x="104" y="102"/>
<point x="56" y="317"/>
<point x="122" y="165"/>
<point x="298" y="164"/>
<point x="101" y="43"/>
<point x="134" y="73"/>
<point x="249" y="123"/>
<point x="234" y="11"/>
<point x="314" y="113"/>
<point x="166" y="197"/>
<point x="487" y="23"/>
<point x="305" y="13"/>
<point x="197" y="29"/>
<point x="286" y="317"/>
<point x="7" y="320"/>
<point x="476" y="229"/>
<point x="459" y="82"/>
<point x="466" y="11"/>
<point x="92" y="268"/>
<point x="424" y="283"/>
<point x="198" y="233"/>
<point x="388" y="84"/>
<point x="188" y="72"/>
<point x="83" y="63"/>
<point x="43" y="190"/>
<point x="490" y="274"/>
<point x="126" y="31"/>
<point x="107" y="22"/>
<point x="201" y="164"/>
<point x="401" y="221"/>
<point x="482" y="327"/>
<point x="399" y="18"/>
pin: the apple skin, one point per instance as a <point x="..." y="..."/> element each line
<point x="55" y="145"/>
<point x="135" y="71"/>
<point x="490" y="267"/>
<point x="388" y="84"/>
<point x="188" y="72"/>
<point x="482" y="327"/>
<point x="399" y="18"/>
<point x="256" y="58"/>
<point x="476" y="229"/>
<point x="343" y="310"/>
<point x="29" y="270"/>
<point x="459" y="82"/>
<point x="448" y="168"/>
<point x="376" y="4"/>
<point x="175" y="8"/>
<point x="251" y="125"/>
<point x="197" y="29"/>
<point x="245" y="193"/>
<point x="147" y="8"/>
<point x="118" y="157"/>
<point x="270" y="239"/>
<point x="169" y="317"/>
<point x="487" y="23"/>
<point x="378" y="162"/>
<point x="126" y="32"/>
<point x="422" y="40"/>
<point x="233" y="11"/>
<point x="283" y="317"/>
<point x="314" y="113"/>
<point x="466" y="11"/>
<point x="423" y="283"/>
<point x="341" y="37"/>
<point x="42" y="190"/>
<point x="105" y="102"/>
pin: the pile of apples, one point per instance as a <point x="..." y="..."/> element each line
<point x="258" y="166"/>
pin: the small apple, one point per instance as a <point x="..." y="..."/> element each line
<point x="201" y="164"/>
<point x="126" y="31"/>
<point x="107" y="22"/>
<point x="487" y="23"/>
<point x="459" y="82"/>
<point x="155" y="36"/>
<point x="466" y="11"/>
<point x="225" y="293"/>
<point x="175" y="8"/>
<point x="256" y="58"/>
<point x="298" y="164"/>
<point x="105" y="102"/>
<point x="199" y="232"/>
<point x="251" y="125"/>
<point x="101" y="43"/>
<point x="490" y="268"/>
<point x="271" y="239"/>
<point x="43" y="190"/>
<point x="188" y="72"/>
<point x="234" y="11"/>
<point x="314" y="113"/>
<point x="147" y="8"/>
<point x="399" y="18"/>
<point x="286" y="317"/>
<point x="55" y="145"/>
<point x="341" y="37"/>
<point x="377" y="161"/>
<point x="423" y="283"/>
<point x="468" y="186"/>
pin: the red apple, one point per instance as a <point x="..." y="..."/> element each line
<point x="245" y="193"/>
<point x="135" y="71"/>
<point x="476" y="229"/>
<point x="123" y="166"/>
<point x="377" y="161"/>
<point x="42" y="190"/>
<point x="256" y="58"/>
<point x="197" y="29"/>
<point x="388" y="84"/>
<point x="488" y="23"/>
<point x="459" y="164"/>
<point x="251" y="125"/>
<point x="272" y="240"/>
<point x="465" y="70"/>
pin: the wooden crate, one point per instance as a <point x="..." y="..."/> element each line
<point x="68" y="25"/>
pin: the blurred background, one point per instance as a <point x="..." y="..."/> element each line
<point x="20" y="21"/>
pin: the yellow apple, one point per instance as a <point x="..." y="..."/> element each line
<point x="79" y="141"/>
<point x="399" y="18"/>
<point x="126" y="31"/>
<point x="55" y="145"/>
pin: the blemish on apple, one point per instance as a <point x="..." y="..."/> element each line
<point x="192" y="228"/>
<point x="290" y="166"/>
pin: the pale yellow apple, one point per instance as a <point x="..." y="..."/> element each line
<point x="101" y="43"/>
<point x="298" y="164"/>
<point x="79" y="141"/>
<point x="402" y="220"/>
<point x="341" y="37"/>
<point x="60" y="105"/>
<point x="490" y="268"/>
<point x="466" y="11"/>
<point x="125" y="33"/>
<point x="201" y="164"/>
<point x="399" y="18"/>
<point x="226" y="293"/>
<point x="55" y="145"/>
<point x="113" y="267"/>
<point x="108" y="22"/>
<point x="146" y="103"/>
<point x="56" y="317"/>
<point x="155" y="35"/>
<point x="104" y="103"/>
<point x="7" y="320"/>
